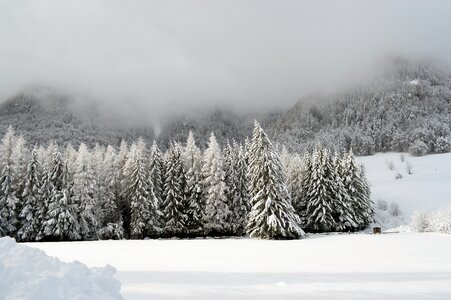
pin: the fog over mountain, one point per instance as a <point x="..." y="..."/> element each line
<point x="149" y="59"/>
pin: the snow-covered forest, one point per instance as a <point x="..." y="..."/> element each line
<point x="137" y="191"/>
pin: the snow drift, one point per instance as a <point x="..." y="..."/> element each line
<point x="28" y="273"/>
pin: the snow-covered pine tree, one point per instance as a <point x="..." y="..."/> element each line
<point x="19" y="169"/>
<point x="124" y="207"/>
<point x="45" y="190"/>
<point x="156" y="184"/>
<point x="83" y="191"/>
<point x="294" y="179"/>
<point x="193" y="189"/>
<point x="357" y="188"/>
<point x="143" y="203"/>
<point x="272" y="216"/>
<point x="100" y="193"/>
<point x="8" y="200"/>
<point x="237" y="186"/>
<point x="28" y="217"/>
<point x="364" y="192"/>
<point x="62" y="223"/>
<point x="343" y="212"/>
<point x="301" y="200"/>
<point x="174" y="205"/>
<point x="217" y="214"/>
<point x="110" y="222"/>
<point x="325" y="198"/>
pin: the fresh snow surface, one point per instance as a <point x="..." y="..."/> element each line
<point x="357" y="266"/>
<point x="28" y="273"/>
<point x="428" y="188"/>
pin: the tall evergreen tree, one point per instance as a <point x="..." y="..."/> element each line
<point x="174" y="206"/>
<point x="217" y="214"/>
<point x="143" y="203"/>
<point x="192" y="162"/>
<point x="29" y="220"/>
<point x="8" y="200"/>
<point x="156" y="183"/>
<point x="83" y="190"/>
<point x="62" y="223"/>
<point x="237" y="186"/>
<point x="110" y="221"/>
<point x="272" y="216"/>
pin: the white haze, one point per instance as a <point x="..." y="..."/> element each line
<point x="152" y="58"/>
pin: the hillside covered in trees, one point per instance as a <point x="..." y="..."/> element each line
<point x="407" y="108"/>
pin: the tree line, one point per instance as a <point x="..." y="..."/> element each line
<point x="136" y="191"/>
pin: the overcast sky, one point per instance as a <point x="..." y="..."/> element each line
<point x="159" y="56"/>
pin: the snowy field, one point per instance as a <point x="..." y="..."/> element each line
<point x="358" y="266"/>
<point x="428" y="188"/>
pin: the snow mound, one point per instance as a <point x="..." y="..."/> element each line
<point x="28" y="273"/>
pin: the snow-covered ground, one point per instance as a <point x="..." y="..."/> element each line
<point x="28" y="273"/>
<point x="428" y="188"/>
<point x="357" y="266"/>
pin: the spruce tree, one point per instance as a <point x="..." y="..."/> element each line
<point x="357" y="188"/>
<point x="83" y="190"/>
<point x="217" y="214"/>
<point x="272" y="216"/>
<point x="343" y="213"/>
<point x="29" y="220"/>
<point x="110" y="221"/>
<point x="156" y="184"/>
<point x="62" y="223"/>
<point x="174" y="206"/>
<point x="124" y="206"/>
<point x="294" y="180"/>
<point x="192" y="163"/>
<point x="8" y="200"/>
<point x="237" y="186"/>
<point x="143" y="203"/>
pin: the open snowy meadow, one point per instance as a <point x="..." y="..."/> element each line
<point x="356" y="266"/>
<point x="336" y="266"/>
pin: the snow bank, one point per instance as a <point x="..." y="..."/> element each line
<point x="28" y="273"/>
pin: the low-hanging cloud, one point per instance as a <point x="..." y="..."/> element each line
<point x="158" y="57"/>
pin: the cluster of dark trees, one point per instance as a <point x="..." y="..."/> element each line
<point x="140" y="192"/>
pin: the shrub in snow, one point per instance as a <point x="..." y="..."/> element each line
<point x="28" y="273"/>
<point x="111" y="231"/>
<point x="418" y="148"/>
<point x="398" y="176"/>
<point x="420" y="222"/>
<point x="442" y="145"/>
<point x="394" y="209"/>
<point x="409" y="168"/>
<point x="441" y="221"/>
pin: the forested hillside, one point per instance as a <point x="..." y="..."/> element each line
<point x="407" y="108"/>
<point x="44" y="117"/>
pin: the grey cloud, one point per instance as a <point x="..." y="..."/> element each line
<point x="157" y="57"/>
